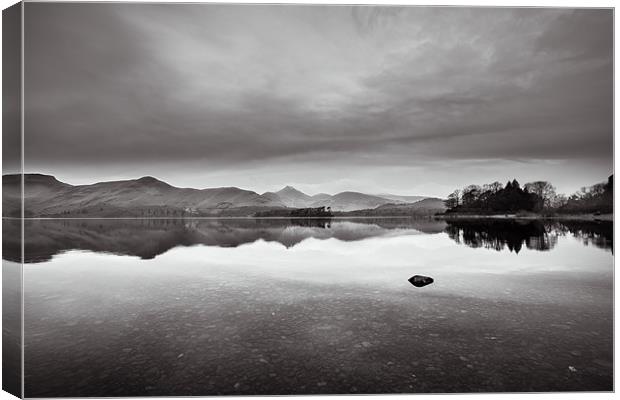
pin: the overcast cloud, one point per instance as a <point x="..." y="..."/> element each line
<point x="328" y="98"/>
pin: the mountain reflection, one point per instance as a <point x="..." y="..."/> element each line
<point x="148" y="238"/>
<point x="533" y="234"/>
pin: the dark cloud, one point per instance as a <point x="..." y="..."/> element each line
<point x="11" y="100"/>
<point x="221" y="87"/>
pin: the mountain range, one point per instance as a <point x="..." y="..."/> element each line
<point x="46" y="196"/>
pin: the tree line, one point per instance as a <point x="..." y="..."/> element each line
<point x="538" y="196"/>
<point x="317" y="212"/>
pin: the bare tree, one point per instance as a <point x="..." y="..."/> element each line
<point x="544" y="189"/>
<point x="558" y="201"/>
<point x="454" y="199"/>
<point x="470" y="195"/>
<point x="495" y="186"/>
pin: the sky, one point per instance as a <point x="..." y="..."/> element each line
<point x="405" y="100"/>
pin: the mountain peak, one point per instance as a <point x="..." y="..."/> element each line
<point x="149" y="180"/>
<point x="292" y="197"/>
<point x="38" y="179"/>
<point x="289" y="189"/>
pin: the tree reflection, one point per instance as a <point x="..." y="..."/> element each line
<point x="533" y="234"/>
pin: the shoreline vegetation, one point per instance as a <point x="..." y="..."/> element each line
<point x="535" y="200"/>
<point x="315" y="212"/>
<point x="529" y="216"/>
<point x="444" y="217"/>
<point x="149" y="198"/>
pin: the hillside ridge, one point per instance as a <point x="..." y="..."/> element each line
<point x="147" y="196"/>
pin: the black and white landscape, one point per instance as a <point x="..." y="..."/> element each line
<point x="45" y="196"/>
<point x="228" y="199"/>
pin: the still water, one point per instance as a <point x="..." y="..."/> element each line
<point x="205" y="307"/>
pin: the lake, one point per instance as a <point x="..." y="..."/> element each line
<point x="260" y="306"/>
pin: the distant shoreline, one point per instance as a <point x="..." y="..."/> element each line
<point x="574" y="217"/>
<point x="241" y="217"/>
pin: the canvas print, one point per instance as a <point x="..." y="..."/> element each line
<point x="246" y="199"/>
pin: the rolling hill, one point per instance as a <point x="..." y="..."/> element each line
<point x="426" y="207"/>
<point x="349" y="201"/>
<point x="45" y="196"/>
<point x="401" y="199"/>
<point x="343" y="201"/>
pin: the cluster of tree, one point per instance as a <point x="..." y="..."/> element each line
<point x="428" y="209"/>
<point x="597" y="198"/>
<point x="494" y="197"/>
<point x="145" y="212"/>
<point x="312" y="212"/>
<point x="318" y="212"/>
<point x="533" y="196"/>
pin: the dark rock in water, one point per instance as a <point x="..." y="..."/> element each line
<point x="420" y="280"/>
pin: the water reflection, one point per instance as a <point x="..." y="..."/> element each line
<point x="149" y="238"/>
<point x="596" y="233"/>
<point x="240" y="307"/>
<point x="533" y="234"/>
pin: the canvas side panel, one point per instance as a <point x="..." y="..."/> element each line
<point x="12" y="255"/>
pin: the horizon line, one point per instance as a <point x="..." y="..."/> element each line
<point x="219" y="187"/>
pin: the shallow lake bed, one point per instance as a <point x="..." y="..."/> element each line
<point x="290" y="307"/>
